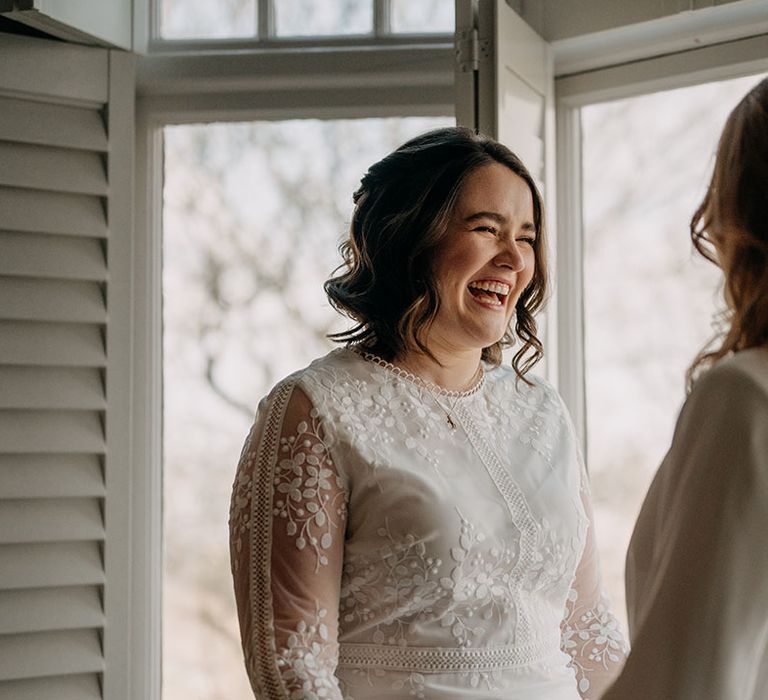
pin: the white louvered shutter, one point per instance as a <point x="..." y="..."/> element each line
<point x="66" y="115"/>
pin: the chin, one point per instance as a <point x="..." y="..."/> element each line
<point x="487" y="340"/>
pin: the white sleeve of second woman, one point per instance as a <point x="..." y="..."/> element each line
<point x="701" y="622"/>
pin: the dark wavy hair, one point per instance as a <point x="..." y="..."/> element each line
<point x="402" y="210"/>
<point x="730" y="228"/>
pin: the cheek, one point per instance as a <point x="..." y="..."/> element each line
<point x="445" y="285"/>
<point x="530" y="267"/>
<point x="451" y="268"/>
<point x="525" y="277"/>
<point x="454" y="254"/>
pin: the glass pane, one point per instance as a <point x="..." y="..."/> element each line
<point x="203" y="19"/>
<point x="425" y="17"/>
<point x="253" y="214"/>
<point x="649" y="300"/>
<point x="323" y="17"/>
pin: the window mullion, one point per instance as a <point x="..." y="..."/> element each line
<point x="569" y="254"/>
<point x="382" y="25"/>
<point x="266" y="20"/>
<point x="155" y="20"/>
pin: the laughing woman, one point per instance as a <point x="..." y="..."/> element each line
<point x="410" y="518"/>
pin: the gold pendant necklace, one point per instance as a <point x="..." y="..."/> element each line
<point x="452" y="406"/>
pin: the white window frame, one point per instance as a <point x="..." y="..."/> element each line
<point x="686" y="67"/>
<point x="266" y="37"/>
<point x="383" y="79"/>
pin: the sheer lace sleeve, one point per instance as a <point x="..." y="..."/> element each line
<point x="287" y="522"/>
<point x="591" y="635"/>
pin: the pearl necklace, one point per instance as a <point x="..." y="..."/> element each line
<point x="435" y="390"/>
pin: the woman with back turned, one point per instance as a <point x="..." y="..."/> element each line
<point x="697" y="569"/>
<point x="410" y="518"/>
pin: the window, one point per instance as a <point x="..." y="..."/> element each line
<point x="409" y="17"/>
<point x="253" y="213"/>
<point x="323" y="18"/>
<point x="251" y="210"/>
<point x="182" y="19"/>
<point x="219" y="85"/>
<point x="649" y="300"/>
<point x="333" y="20"/>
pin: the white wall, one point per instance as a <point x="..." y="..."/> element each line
<point x="105" y="22"/>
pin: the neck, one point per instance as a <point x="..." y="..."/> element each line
<point x="454" y="371"/>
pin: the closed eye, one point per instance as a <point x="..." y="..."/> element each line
<point x="487" y="229"/>
<point x="530" y="240"/>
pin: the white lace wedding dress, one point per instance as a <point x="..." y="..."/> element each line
<point x="392" y="541"/>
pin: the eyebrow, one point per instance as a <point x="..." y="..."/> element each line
<point x="498" y="218"/>
<point x="494" y="216"/>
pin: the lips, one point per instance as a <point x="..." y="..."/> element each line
<point x="490" y="292"/>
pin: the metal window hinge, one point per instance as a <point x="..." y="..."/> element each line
<point x="471" y="50"/>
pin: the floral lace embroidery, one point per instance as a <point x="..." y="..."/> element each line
<point x="593" y="640"/>
<point x="373" y="412"/>
<point x="553" y="559"/>
<point x="304" y="496"/>
<point x="289" y="478"/>
<point x="307" y="664"/>
<point x="526" y="416"/>
<point x="406" y="581"/>
<point x="239" y="513"/>
<point x="415" y="683"/>
<point x="480" y="582"/>
<point x="477" y="589"/>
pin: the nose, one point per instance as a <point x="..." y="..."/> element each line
<point x="511" y="256"/>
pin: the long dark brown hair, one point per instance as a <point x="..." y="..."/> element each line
<point x="402" y="210"/>
<point x="730" y="228"/>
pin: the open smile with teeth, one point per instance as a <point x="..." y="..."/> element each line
<point x="490" y="293"/>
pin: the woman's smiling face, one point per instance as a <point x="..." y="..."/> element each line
<point x="485" y="261"/>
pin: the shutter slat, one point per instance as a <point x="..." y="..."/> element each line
<point x="79" y="687"/>
<point x="51" y="431"/>
<point x="52" y="344"/>
<point x="53" y="69"/>
<point x="41" y="609"/>
<point x="61" y="257"/>
<point x="51" y="388"/>
<point x="50" y="564"/>
<point x="50" y="654"/>
<point x="52" y="212"/>
<point x="50" y="476"/>
<point x="50" y="520"/>
<point x="51" y="300"/>
<point x="54" y="169"/>
<point x="26" y="121"/>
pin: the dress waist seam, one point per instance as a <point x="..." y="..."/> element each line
<point x="444" y="659"/>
